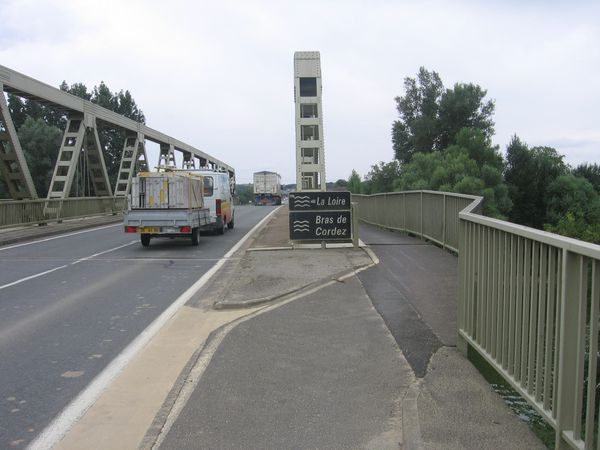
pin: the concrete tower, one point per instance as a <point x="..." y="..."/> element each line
<point x="310" y="153"/>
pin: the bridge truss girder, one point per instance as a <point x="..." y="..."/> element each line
<point x="81" y="135"/>
<point x="64" y="173"/>
<point x="133" y="160"/>
<point x="13" y="165"/>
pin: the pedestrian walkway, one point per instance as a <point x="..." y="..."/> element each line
<point x="316" y="356"/>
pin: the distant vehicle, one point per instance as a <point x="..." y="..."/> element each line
<point x="179" y="203"/>
<point x="267" y="188"/>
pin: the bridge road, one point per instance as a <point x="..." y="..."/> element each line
<point x="70" y="305"/>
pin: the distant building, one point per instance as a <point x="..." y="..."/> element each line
<point x="310" y="153"/>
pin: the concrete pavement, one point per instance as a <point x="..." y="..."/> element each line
<point x="284" y="349"/>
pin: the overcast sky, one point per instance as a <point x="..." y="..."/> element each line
<point x="219" y="75"/>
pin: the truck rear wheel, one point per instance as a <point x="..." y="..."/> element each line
<point x="220" y="226"/>
<point x="145" y="238"/>
<point x="230" y="224"/>
<point x="195" y="236"/>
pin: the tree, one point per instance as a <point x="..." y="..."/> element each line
<point x="416" y="130"/>
<point x="39" y="142"/>
<point x="382" y="176"/>
<point x="431" y="117"/>
<point x="471" y="166"/>
<point x="574" y="208"/>
<point x="464" y="107"/>
<point x="528" y="174"/>
<point x="354" y="183"/>
<point x="590" y="172"/>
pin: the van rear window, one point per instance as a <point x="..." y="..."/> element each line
<point x="208" y="186"/>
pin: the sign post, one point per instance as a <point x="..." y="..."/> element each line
<point x="321" y="216"/>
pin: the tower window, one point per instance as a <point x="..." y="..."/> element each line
<point x="308" y="87"/>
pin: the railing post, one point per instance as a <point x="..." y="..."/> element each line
<point x="421" y="225"/>
<point x="571" y="305"/>
<point x="461" y="343"/>
<point x="444" y="225"/>
<point x="355" y="225"/>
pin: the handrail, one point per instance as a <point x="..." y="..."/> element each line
<point x="529" y="301"/>
<point x="39" y="211"/>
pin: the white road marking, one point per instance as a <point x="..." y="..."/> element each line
<point x="62" y="423"/>
<point x="60" y="236"/>
<point x="37" y="275"/>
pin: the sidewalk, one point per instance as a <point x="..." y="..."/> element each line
<point x="284" y="349"/>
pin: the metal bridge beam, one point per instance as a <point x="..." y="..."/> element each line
<point x="133" y="160"/>
<point x="13" y="165"/>
<point x="27" y="87"/>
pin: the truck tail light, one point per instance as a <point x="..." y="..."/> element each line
<point x="185" y="229"/>
<point x="218" y="207"/>
<point x="130" y="229"/>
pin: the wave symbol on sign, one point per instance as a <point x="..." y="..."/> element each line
<point x="301" y="226"/>
<point x="302" y="201"/>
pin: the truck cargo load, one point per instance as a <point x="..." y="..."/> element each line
<point x="167" y="190"/>
<point x="267" y="188"/>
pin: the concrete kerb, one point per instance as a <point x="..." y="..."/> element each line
<point x="298" y="290"/>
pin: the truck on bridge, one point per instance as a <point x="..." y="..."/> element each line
<point x="179" y="203"/>
<point x="267" y="188"/>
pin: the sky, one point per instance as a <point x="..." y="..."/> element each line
<point x="219" y="75"/>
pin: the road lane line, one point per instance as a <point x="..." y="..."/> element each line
<point x="62" y="423"/>
<point x="37" y="275"/>
<point x="103" y="252"/>
<point x="59" y="236"/>
<point x="31" y="277"/>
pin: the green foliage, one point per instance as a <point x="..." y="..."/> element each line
<point x="576" y="227"/>
<point x="341" y="183"/>
<point x="590" y="172"/>
<point x="471" y="166"/>
<point x="382" y="176"/>
<point x="245" y="193"/>
<point x="571" y="194"/>
<point x="431" y="117"/>
<point x="354" y="183"/>
<point x="528" y="175"/>
<point x="39" y="142"/>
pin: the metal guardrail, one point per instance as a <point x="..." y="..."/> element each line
<point x="26" y="212"/>
<point x="529" y="302"/>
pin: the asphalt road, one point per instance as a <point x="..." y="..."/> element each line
<point x="70" y="305"/>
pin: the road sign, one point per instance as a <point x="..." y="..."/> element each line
<point x="323" y="201"/>
<point x="320" y="225"/>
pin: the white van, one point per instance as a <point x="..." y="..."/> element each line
<point x="218" y="197"/>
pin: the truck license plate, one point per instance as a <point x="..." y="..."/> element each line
<point x="149" y="230"/>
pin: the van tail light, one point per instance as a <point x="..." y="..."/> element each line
<point x="185" y="229"/>
<point x="130" y="229"/>
<point x="218" y="207"/>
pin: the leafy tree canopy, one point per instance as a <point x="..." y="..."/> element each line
<point x="528" y="174"/>
<point x="430" y="116"/>
<point x="470" y="166"/>
<point x="354" y="183"/>
<point x="590" y="172"/>
<point x="574" y="208"/>
<point x="382" y="176"/>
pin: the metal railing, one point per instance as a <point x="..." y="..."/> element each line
<point x="26" y="212"/>
<point x="529" y="302"/>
